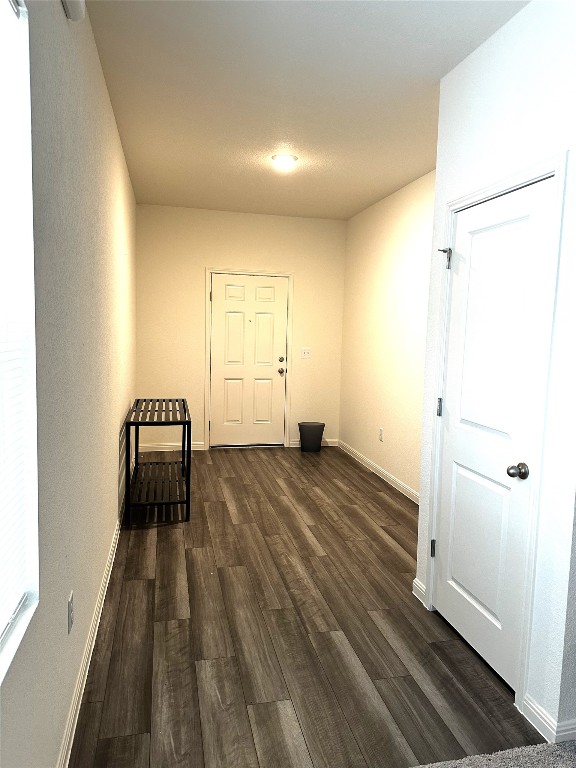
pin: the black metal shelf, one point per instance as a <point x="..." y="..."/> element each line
<point x="158" y="483"/>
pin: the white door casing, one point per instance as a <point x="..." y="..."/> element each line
<point x="248" y="338"/>
<point x="500" y="312"/>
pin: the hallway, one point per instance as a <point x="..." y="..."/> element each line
<point x="277" y="629"/>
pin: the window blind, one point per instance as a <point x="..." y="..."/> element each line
<point x="18" y="453"/>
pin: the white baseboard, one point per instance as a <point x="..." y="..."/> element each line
<point x="393" y="481"/>
<point x="419" y="591"/>
<point x="72" y="720"/>
<point x="146" y="447"/>
<point x="566" y="731"/>
<point x="553" y="731"/>
<point x="328" y="442"/>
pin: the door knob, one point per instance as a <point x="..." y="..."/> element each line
<point x="281" y="371"/>
<point x="280" y="359"/>
<point x="518" y="470"/>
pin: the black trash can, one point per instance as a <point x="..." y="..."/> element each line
<point x="311" y="436"/>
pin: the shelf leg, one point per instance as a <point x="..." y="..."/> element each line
<point x="136" y="448"/>
<point x="183" y="449"/>
<point x="127" y="475"/>
<point x="188" y="467"/>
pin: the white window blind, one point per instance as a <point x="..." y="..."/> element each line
<point x="18" y="454"/>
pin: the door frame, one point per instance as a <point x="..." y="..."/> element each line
<point x="208" y="344"/>
<point x="555" y="167"/>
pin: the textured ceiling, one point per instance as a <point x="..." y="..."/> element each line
<point x="205" y="92"/>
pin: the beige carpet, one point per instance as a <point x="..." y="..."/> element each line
<point x="540" y="756"/>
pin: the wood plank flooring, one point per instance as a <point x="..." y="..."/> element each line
<point x="277" y="629"/>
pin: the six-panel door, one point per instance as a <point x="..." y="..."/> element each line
<point x="248" y="359"/>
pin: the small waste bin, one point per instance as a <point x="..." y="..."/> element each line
<point x="311" y="436"/>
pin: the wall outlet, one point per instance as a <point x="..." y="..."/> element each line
<point x="70" y="612"/>
<point x="306" y="353"/>
<point x="381" y="434"/>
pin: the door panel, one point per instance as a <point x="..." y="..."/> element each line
<point x="247" y="393"/>
<point x="479" y="524"/>
<point x="263" y="392"/>
<point x="501" y="305"/>
<point x="264" y="344"/>
<point x="494" y="303"/>
<point x="233" y="399"/>
<point x="234" y="292"/>
<point x="266" y="292"/>
<point x="234" y="342"/>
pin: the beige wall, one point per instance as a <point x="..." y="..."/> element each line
<point x="176" y="245"/>
<point x="84" y="217"/>
<point x="386" y="293"/>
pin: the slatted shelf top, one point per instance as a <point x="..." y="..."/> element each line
<point x="159" y="410"/>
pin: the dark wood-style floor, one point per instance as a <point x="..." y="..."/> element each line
<point x="277" y="629"/>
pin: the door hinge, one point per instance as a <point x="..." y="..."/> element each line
<point x="448" y="252"/>
<point x="433" y="548"/>
<point x="439" y="407"/>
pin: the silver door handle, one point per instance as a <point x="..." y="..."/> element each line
<point x="518" y="470"/>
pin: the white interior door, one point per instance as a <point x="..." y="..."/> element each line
<point x="503" y="278"/>
<point x="248" y="359"/>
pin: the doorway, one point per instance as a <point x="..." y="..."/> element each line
<point x="248" y="359"/>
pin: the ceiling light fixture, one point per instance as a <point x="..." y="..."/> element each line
<point x="284" y="163"/>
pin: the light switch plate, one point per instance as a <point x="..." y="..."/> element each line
<point x="306" y="353"/>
